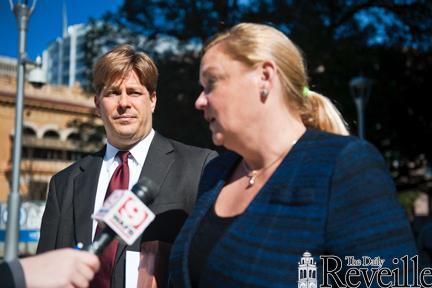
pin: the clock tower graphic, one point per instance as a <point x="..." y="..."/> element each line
<point x="307" y="272"/>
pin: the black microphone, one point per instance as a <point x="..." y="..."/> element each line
<point x="125" y="214"/>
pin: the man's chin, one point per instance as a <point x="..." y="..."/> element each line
<point x="125" y="134"/>
<point x="128" y="135"/>
<point x="124" y="140"/>
<point x="126" y="130"/>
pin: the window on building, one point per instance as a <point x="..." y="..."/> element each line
<point x="27" y="153"/>
<point x="28" y="131"/>
<point x="74" y="136"/>
<point x="51" y="134"/>
<point x="37" y="190"/>
<point x="95" y="138"/>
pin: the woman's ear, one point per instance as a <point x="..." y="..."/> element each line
<point x="267" y="70"/>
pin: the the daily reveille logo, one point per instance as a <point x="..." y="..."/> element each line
<point x="365" y="271"/>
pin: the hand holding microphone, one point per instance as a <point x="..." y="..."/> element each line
<point x="76" y="269"/>
<point x="124" y="214"/>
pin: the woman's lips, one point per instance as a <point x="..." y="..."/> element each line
<point x="209" y="119"/>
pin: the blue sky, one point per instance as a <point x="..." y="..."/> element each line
<point x="45" y="23"/>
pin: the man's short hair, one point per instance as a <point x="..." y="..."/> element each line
<point x="118" y="62"/>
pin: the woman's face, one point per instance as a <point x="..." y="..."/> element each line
<point x="229" y="98"/>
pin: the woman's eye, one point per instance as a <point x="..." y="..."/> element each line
<point x="209" y="85"/>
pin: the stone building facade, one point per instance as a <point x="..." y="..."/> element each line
<point x="58" y="129"/>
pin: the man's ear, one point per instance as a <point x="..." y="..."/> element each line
<point x="153" y="100"/>
<point x="97" y="104"/>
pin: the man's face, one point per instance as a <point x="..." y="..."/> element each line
<point x="126" y="108"/>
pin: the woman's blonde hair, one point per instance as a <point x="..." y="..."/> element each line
<point x="253" y="43"/>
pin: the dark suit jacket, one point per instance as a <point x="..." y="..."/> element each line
<point x="330" y="195"/>
<point x="6" y="278"/>
<point x="174" y="167"/>
<point x="11" y="274"/>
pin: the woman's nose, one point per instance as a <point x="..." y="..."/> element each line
<point x="201" y="102"/>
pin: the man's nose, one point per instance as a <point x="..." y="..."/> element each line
<point x="123" y="100"/>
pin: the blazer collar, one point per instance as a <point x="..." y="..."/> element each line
<point x="158" y="161"/>
<point x="84" y="194"/>
<point x="229" y="161"/>
<point x="211" y="184"/>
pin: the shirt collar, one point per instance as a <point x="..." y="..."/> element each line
<point x="138" y="152"/>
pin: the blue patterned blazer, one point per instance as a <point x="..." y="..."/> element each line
<point x="330" y="195"/>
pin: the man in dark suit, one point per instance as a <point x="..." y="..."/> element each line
<point x="125" y="82"/>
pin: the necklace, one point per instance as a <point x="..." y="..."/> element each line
<point x="253" y="174"/>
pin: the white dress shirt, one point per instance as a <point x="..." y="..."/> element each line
<point x="136" y="159"/>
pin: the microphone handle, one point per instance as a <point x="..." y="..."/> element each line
<point x="101" y="241"/>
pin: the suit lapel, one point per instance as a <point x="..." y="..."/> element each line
<point x="158" y="161"/>
<point x="156" y="166"/>
<point x="85" y="186"/>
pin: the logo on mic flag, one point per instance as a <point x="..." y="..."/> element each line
<point x="126" y="214"/>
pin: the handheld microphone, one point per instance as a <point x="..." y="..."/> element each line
<point x="124" y="214"/>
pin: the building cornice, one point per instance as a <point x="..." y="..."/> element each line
<point x="49" y="97"/>
<point x="49" y="104"/>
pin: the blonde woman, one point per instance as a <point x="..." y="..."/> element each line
<point x="292" y="181"/>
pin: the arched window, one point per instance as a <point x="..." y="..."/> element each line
<point x="51" y="134"/>
<point x="28" y="131"/>
<point x="74" y="136"/>
<point x="95" y="138"/>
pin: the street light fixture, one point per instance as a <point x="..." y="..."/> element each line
<point x="22" y="13"/>
<point x="360" y="88"/>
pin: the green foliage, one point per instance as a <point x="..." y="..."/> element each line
<point x="386" y="40"/>
<point x="407" y="199"/>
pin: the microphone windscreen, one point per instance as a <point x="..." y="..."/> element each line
<point x="145" y="189"/>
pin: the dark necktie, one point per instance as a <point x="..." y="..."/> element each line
<point x="119" y="180"/>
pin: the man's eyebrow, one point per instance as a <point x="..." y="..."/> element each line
<point x="111" y="88"/>
<point x="134" y="88"/>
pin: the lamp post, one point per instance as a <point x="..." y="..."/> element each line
<point x="360" y="88"/>
<point x="22" y="13"/>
